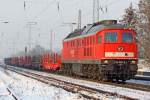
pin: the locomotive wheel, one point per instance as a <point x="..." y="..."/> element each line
<point x="69" y="69"/>
<point x="91" y="71"/>
<point x="66" y="69"/>
<point x="101" y="73"/>
<point x="104" y="74"/>
<point x="109" y="77"/>
<point x="105" y="77"/>
<point x="123" y="80"/>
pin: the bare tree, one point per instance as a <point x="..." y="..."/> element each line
<point x="143" y="28"/>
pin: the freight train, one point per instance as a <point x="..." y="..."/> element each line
<point x="45" y="61"/>
<point x="104" y="50"/>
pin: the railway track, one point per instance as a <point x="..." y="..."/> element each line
<point x="12" y="94"/>
<point x="140" y="77"/>
<point x="86" y="92"/>
<point x="130" y="85"/>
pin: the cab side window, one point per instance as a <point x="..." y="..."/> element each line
<point x="99" y="39"/>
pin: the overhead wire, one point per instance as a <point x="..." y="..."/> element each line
<point x="45" y="9"/>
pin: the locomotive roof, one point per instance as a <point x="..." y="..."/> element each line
<point x="75" y="33"/>
<point x="92" y="29"/>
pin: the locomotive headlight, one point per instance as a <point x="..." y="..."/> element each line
<point x="133" y="62"/>
<point x="105" y="61"/>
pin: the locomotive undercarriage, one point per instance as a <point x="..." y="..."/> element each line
<point x="120" y="72"/>
<point x="105" y="72"/>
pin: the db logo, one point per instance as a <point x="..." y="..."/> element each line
<point x="120" y="48"/>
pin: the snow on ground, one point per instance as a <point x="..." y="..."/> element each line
<point x="143" y="66"/>
<point x="119" y="90"/>
<point x="142" y="95"/>
<point x="29" y="89"/>
<point x="4" y="94"/>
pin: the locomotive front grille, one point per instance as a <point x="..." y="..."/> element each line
<point x="121" y="62"/>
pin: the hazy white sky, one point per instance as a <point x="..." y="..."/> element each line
<point x="14" y="35"/>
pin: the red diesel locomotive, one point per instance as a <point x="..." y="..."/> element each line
<point x="104" y="50"/>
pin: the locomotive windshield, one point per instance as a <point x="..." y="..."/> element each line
<point x="127" y="37"/>
<point x="111" y="37"/>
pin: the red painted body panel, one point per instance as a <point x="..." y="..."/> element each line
<point x="27" y="61"/>
<point x="14" y="60"/>
<point x="21" y="61"/>
<point x="88" y="47"/>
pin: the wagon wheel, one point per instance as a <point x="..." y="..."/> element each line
<point x="105" y="77"/>
<point x="117" y="79"/>
<point x="109" y="77"/>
